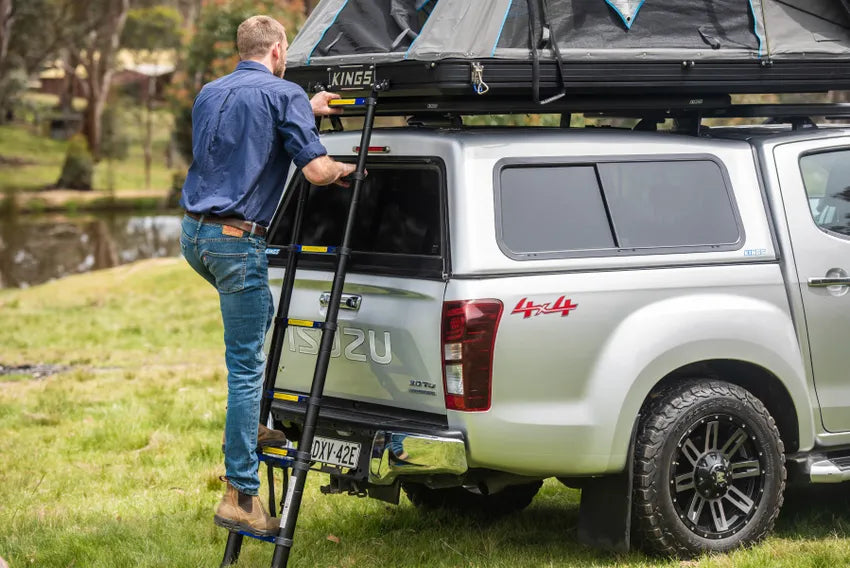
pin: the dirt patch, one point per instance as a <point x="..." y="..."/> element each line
<point x="15" y="161"/>
<point x="36" y="370"/>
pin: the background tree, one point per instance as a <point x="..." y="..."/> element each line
<point x="211" y="53"/>
<point x="95" y="36"/>
<point x="7" y="18"/>
<point x="148" y="31"/>
<point x="31" y="33"/>
<point x="100" y="24"/>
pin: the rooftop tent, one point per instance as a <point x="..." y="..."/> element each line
<point x="722" y="40"/>
<point x="374" y="29"/>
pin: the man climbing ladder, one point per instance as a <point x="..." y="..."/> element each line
<point x="247" y="128"/>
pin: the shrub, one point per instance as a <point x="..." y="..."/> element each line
<point x="79" y="165"/>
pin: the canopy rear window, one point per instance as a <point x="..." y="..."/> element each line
<point x="398" y="227"/>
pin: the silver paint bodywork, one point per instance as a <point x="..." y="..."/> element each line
<point x="567" y="390"/>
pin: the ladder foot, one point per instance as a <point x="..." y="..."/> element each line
<point x="232" y="550"/>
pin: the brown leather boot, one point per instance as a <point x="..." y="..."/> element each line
<point x="265" y="437"/>
<point x="269" y="437"/>
<point x="240" y="512"/>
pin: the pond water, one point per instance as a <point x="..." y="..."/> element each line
<point x="38" y="248"/>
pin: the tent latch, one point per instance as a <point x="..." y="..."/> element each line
<point x="477" y="79"/>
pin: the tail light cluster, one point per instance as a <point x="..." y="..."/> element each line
<point x="469" y="334"/>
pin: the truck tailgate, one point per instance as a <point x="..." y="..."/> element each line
<point x="386" y="351"/>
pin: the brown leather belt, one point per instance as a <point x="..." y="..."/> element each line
<point x="242" y="224"/>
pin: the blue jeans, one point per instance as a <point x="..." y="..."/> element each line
<point x="238" y="268"/>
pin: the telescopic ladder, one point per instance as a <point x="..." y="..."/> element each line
<point x="299" y="460"/>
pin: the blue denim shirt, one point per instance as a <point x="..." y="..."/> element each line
<point x="247" y="127"/>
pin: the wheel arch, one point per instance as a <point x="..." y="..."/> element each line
<point x="762" y="383"/>
<point x="781" y="388"/>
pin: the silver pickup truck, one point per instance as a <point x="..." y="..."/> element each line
<point x="654" y="318"/>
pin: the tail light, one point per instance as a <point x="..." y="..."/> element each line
<point x="469" y="333"/>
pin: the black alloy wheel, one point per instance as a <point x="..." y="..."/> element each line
<point x="717" y="477"/>
<point x="709" y="469"/>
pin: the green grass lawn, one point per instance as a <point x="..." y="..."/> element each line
<point x="115" y="462"/>
<point x="30" y="160"/>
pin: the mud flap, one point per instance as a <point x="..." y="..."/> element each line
<point x="605" y="511"/>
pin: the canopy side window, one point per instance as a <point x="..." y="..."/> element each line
<point x="615" y="208"/>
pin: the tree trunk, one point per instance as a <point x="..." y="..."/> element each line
<point x="7" y="18"/>
<point x="99" y="63"/>
<point x="92" y="123"/>
<point x="148" y="142"/>
<point x="70" y="61"/>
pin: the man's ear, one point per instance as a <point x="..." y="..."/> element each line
<point x="277" y="49"/>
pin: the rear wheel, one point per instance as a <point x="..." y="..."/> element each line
<point x="511" y="499"/>
<point x="709" y="469"/>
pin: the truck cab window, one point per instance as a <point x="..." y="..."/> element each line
<point x="826" y="176"/>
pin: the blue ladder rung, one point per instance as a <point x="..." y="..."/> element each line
<point x="359" y="101"/>
<point x="278" y="457"/>
<point x="311" y="249"/>
<point x="263" y="538"/>
<point x="289" y="397"/>
<point x="304" y="323"/>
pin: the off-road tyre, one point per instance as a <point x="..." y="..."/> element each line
<point x="671" y="442"/>
<point x="511" y="499"/>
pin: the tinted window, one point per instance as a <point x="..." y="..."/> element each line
<point x="827" y="180"/>
<point x="398" y="213"/>
<point x="669" y="204"/>
<point x="553" y="208"/>
<point x="615" y="206"/>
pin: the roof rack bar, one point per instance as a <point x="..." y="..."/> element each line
<point x="826" y="110"/>
<point x="623" y="105"/>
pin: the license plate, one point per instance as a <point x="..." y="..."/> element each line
<point x="351" y="78"/>
<point x="335" y="452"/>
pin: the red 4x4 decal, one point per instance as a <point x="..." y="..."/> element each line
<point x="562" y="305"/>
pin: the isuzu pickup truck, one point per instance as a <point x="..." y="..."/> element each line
<point x="656" y="318"/>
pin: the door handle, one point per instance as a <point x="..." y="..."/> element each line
<point x="826" y="282"/>
<point x="348" y="301"/>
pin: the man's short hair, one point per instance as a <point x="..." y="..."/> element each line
<point x="256" y="36"/>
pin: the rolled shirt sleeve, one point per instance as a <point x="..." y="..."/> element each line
<point x="297" y="127"/>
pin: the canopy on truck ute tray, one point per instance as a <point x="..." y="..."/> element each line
<point x="507" y="47"/>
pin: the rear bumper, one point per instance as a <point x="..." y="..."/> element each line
<point x="395" y="443"/>
<point x="397" y="454"/>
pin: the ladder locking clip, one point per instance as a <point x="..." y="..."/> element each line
<point x="302" y="455"/>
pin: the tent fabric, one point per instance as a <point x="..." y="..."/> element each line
<point x="626" y="9"/>
<point x="374" y="31"/>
